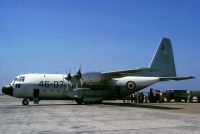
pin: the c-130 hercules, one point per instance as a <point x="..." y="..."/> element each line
<point x="94" y="87"/>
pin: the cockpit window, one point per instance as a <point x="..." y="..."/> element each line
<point x="23" y="78"/>
<point x="20" y="79"/>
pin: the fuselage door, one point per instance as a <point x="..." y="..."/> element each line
<point x="36" y="94"/>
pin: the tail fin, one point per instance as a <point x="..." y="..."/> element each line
<point x="163" y="60"/>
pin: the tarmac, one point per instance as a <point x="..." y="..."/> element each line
<point x="110" y="117"/>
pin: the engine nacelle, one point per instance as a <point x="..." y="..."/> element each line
<point x="91" y="78"/>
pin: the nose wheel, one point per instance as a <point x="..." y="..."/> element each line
<point x="25" y="102"/>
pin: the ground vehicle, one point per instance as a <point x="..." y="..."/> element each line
<point x="194" y="94"/>
<point x="177" y="95"/>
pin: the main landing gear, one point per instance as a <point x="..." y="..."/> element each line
<point x="81" y="101"/>
<point x="25" y="102"/>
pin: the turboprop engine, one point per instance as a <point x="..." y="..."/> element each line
<point x="91" y="78"/>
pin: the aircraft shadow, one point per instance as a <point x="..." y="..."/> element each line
<point x="42" y="105"/>
<point x="140" y="106"/>
<point x="149" y="106"/>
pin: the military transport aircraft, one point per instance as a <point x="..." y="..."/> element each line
<point x="94" y="87"/>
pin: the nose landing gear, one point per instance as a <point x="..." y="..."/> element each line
<point x="25" y="102"/>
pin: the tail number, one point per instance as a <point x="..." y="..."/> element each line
<point x="130" y="85"/>
<point x="55" y="84"/>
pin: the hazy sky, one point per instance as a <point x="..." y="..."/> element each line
<point x="102" y="35"/>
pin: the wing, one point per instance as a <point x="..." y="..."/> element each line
<point x="123" y="73"/>
<point x="175" y="78"/>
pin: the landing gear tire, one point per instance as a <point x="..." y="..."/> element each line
<point x="92" y="102"/>
<point x="186" y="100"/>
<point x="87" y="102"/>
<point x="98" y="102"/>
<point x="79" y="101"/>
<point x="25" y="102"/>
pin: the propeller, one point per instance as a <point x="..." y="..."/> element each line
<point x="69" y="77"/>
<point x="77" y="82"/>
<point x="78" y="75"/>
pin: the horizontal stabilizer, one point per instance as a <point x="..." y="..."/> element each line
<point x="175" y="78"/>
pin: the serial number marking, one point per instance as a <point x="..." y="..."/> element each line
<point x="55" y="84"/>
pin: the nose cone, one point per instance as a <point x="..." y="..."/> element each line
<point x="8" y="89"/>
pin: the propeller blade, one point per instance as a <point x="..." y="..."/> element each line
<point x="79" y="74"/>
<point x="69" y="77"/>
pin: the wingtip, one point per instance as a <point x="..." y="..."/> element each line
<point x="192" y="77"/>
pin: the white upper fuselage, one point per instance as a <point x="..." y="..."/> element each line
<point x="50" y="85"/>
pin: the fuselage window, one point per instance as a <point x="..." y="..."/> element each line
<point x="17" y="85"/>
<point x="21" y="78"/>
<point x="16" y="79"/>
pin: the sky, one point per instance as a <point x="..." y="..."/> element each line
<point x="52" y="36"/>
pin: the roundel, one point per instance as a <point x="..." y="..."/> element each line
<point x="130" y="85"/>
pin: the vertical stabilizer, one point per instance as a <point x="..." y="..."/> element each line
<point x="163" y="60"/>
